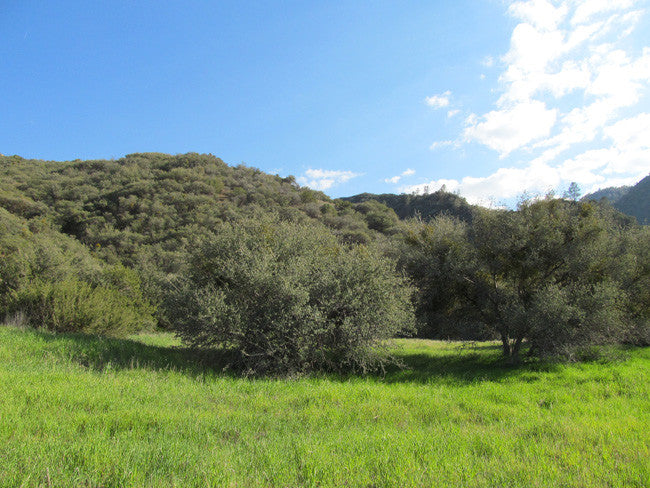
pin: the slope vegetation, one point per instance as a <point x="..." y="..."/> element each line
<point x="424" y="206"/>
<point x="631" y="200"/>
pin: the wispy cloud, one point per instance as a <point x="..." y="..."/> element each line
<point x="439" y="101"/>
<point x="569" y="106"/>
<point x="396" y="179"/>
<point x="439" y="144"/>
<point x="323" y="179"/>
<point x="488" y="61"/>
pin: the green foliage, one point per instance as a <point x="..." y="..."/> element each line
<point x="636" y="201"/>
<point x="612" y="194"/>
<point x="291" y="299"/>
<point x="555" y="273"/>
<point x="53" y="282"/>
<point x="131" y="226"/>
<point x="573" y="192"/>
<point x="438" y="256"/>
<point x="564" y="320"/>
<point x="75" y="306"/>
<point x="122" y="209"/>
<point x="378" y="216"/>
<point x="635" y="276"/>
<point x="147" y="210"/>
<point x="631" y="200"/>
<point x="424" y="207"/>
<point x="549" y="259"/>
<point x="31" y="250"/>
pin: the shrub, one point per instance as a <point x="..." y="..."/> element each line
<point x="76" y="306"/>
<point x="565" y="320"/>
<point x="438" y="257"/>
<point x="291" y="299"/>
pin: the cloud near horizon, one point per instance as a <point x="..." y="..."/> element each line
<point x="397" y="178"/>
<point x="572" y="106"/>
<point x="323" y="179"/>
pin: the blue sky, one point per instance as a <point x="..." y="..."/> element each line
<point x="489" y="97"/>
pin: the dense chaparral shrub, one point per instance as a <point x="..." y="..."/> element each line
<point x="51" y="281"/>
<point x="290" y="299"/>
<point x="76" y="306"/>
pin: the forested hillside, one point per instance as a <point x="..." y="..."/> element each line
<point x="75" y="233"/>
<point x="293" y="281"/>
<point x="631" y="200"/>
<point x="157" y="204"/>
<point x="612" y="193"/>
<point x="636" y="201"/>
<point x="425" y="207"/>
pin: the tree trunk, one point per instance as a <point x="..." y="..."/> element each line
<point x="505" y="341"/>
<point x="514" y="352"/>
<point x="511" y="350"/>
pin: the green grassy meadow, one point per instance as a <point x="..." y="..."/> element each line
<point x="88" y="411"/>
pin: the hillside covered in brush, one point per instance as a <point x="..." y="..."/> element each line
<point x="631" y="200"/>
<point x="425" y="206"/>
<point x="152" y="206"/>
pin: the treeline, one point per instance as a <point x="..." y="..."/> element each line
<point x="424" y="206"/>
<point x="557" y="274"/>
<point x="290" y="281"/>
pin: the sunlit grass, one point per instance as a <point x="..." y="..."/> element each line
<point x="87" y="411"/>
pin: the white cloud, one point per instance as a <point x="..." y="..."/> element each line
<point x="632" y="133"/>
<point x="395" y="179"/>
<point x="322" y="179"/>
<point x="585" y="11"/>
<point x="625" y="163"/>
<point x="566" y="107"/>
<point x="547" y="59"/>
<point x="439" y="101"/>
<point x="451" y="113"/>
<point x="505" y="183"/>
<point x="541" y="13"/>
<point x="438" y="144"/>
<point x="509" y="129"/>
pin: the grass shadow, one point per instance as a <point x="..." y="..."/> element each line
<point x="467" y="364"/>
<point x="464" y="364"/>
<point x="100" y="353"/>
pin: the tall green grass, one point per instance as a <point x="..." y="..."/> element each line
<point x="87" y="411"/>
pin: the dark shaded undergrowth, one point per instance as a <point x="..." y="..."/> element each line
<point x="418" y="361"/>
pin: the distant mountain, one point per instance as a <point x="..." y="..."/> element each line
<point x="634" y="200"/>
<point x="613" y="193"/>
<point x="424" y="206"/>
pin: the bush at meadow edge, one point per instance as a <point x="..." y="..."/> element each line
<point x="291" y="299"/>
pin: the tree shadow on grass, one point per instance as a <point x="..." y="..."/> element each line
<point x="478" y="362"/>
<point x="100" y="353"/>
